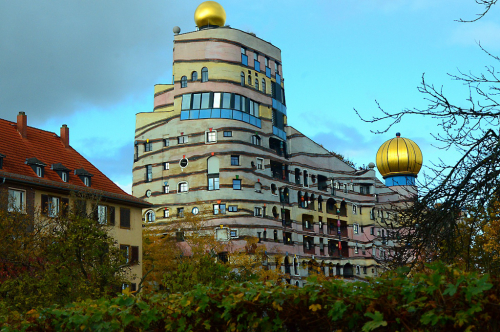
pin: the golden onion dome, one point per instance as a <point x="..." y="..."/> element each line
<point x="399" y="156"/>
<point x="209" y="13"/>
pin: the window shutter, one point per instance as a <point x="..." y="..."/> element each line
<point x="112" y="216"/>
<point x="64" y="207"/>
<point x="124" y="218"/>
<point x="135" y="255"/>
<point x="45" y="204"/>
<point x="95" y="212"/>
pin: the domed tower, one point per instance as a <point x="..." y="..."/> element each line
<point x="399" y="160"/>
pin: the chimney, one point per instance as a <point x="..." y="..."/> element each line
<point x="22" y="124"/>
<point x="65" y="135"/>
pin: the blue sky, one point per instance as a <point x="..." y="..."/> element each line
<point x="93" y="64"/>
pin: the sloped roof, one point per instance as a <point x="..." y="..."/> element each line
<point x="48" y="148"/>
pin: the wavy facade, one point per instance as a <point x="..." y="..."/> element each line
<point x="218" y="137"/>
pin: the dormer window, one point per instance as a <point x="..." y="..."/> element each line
<point x="84" y="176"/>
<point x="37" y="166"/>
<point x="1" y="160"/>
<point x="62" y="171"/>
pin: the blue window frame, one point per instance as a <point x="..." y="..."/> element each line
<point x="236" y="184"/>
<point x="268" y="72"/>
<point x="235" y="160"/>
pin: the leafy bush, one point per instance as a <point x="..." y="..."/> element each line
<point x="442" y="298"/>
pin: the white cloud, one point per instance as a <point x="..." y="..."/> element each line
<point x="127" y="187"/>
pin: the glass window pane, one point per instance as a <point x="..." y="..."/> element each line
<point x="237" y="102"/>
<point x="226" y="100"/>
<point x="226" y="114"/>
<point x="194" y="114"/>
<point x="237" y="115"/>
<point x="217" y="100"/>
<point x="244" y="104"/>
<point x="196" y="101"/>
<point x="204" y="114"/>
<point x="215" y="113"/>
<point x="186" y="101"/>
<point x="184" y="115"/>
<point x="205" y="100"/>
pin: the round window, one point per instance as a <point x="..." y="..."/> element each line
<point x="183" y="163"/>
<point x="195" y="210"/>
<point x="148" y="193"/>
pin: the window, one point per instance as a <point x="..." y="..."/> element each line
<point x="358" y="270"/>
<point x="124" y="218"/>
<point x="364" y="190"/>
<point x="256" y="84"/>
<point x="372" y="231"/>
<point x="354" y="209"/>
<point x="150" y="216"/>
<point x="102" y="214"/>
<point x="184" y="82"/>
<point x="220" y="208"/>
<point x="39" y="171"/>
<point x="232" y="208"/>
<point x="242" y="78"/>
<point x="194" y="76"/>
<point x="264" y="86"/>
<point x="204" y="74"/>
<point x="148" y="147"/>
<point x="213" y="181"/>
<point x="182" y="187"/>
<point x="374" y="251"/>
<point x="234" y="233"/>
<point x="211" y="136"/>
<point x="183" y="163"/>
<point x="235" y="160"/>
<point x="260" y="165"/>
<point x="64" y="176"/>
<point x="166" y="166"/>
<point x="149" y="173"/>
<point x="256" y="140"/>
<point x="287" y="238"/>
<point x="180" y="212"/>
<point x="364" y="269"/>
<point x="166" y="142"/>
<point x="258" y="187"/>
<point x="182" y="139"/>
<point x="257" y="211"/>
<point x="166" y="213"/>
<point x="125" y="249"/>
<point x="355" y="228"/>
<point x="249" y="79"/>
<point x="17" y="200"/>
<point x="166" y="189"/>
<point x="244" y="57"/>
<point x="227" y="134"/>
<point x="236" y="184"/>
<point x="179" y="236"/>
<point x="345" y="187"/>
<point x="86" y="181"/>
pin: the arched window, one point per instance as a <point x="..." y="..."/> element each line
<point x="257" y="83"/>
<point x="256" y="140"/>
<point x="242" y="76"/>
<point x="275" y="212"/>
<point x="297" y="176"/>
<point x="182" y="187"/>
<point x="264" y="85"/>
<point x="274" y="189"/>
<point x="258" y="187"/>
<point x="150" y="216"/>
<point x="287" y="266"/>
<point x="249" y="79"/>
<point x="296" y="266"/>
<point x="184" y="82"/>
<point x="204" y="74"/>
<point x="306" y="179"/>
<point x="194" y="76"/>
<point x="213" y="173"/>
<point x="320" y="203"/>
<point x="343" y="209"/>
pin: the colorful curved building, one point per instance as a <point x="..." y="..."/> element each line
<point x="218" y="137"/>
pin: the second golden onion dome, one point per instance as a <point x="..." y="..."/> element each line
<point x="399" y="156"/>
<point x="209" y="13"/>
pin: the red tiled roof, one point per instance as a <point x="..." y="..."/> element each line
<point x="48" y="148"/>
